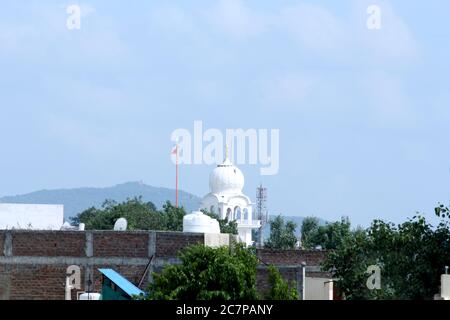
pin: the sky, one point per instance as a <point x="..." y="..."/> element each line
<point x="362" y="114"/>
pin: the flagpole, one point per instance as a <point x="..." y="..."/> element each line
<point x="176" y="176"/>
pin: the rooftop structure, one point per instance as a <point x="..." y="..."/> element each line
<point x="31" y="216"/>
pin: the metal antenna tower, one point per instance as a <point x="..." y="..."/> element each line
<point x="261" y="210"/>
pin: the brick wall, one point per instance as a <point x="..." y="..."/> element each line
<point x="48" y="243"/>
<point x="33" y="264"/>
<point x="36" y="282"/>
<point x="291" y="257"/>
<point x="120" y="244"/>
<point x="168" y="244"/>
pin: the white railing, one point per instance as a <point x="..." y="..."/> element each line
<point x="246" y="223"/>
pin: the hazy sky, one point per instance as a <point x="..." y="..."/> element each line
<point x="363" y="114"/>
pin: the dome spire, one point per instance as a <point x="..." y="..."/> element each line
<point x="226" y="161"/>
<point x="226" y="151"/>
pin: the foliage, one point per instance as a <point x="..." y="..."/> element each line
<point x="411" y="257"/>
<point x="225" y="225"/>
<point x="173" y="217"/>
<point x="207" y="273"/>
<point x="282" y="235"/>
<point x="140" y="216"/>
<point x="279" y="288"/>
<point x="309" y="227"/>
<point x="327" y="236"/>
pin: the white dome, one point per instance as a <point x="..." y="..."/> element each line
<point x="199" y="222"/>
<point x="226" y="178"/>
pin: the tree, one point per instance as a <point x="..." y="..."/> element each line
<point x="173" y="217"/>
<point x="225" y="225"/>
<point x="140" y="215"/>
<point x="282" y="235"/>
<point x="327" y="236"/>
<point x="348" y="263"/>
<point x="279" y="288"/>
<point x="205" y="273"/>
<point x="411" y="257"/>
<point x="84" y="216"/>
<point x="309" y="228"/>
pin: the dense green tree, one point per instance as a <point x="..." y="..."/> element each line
<point x="140" y="215"/>
<point x="309" y="228"/>
<point x="173" y="217"/>
<point x="327" y="236"/>
<point x="348" y="264"/>
<point x="411" y="257"/>
<point x="279" y="288"/>
<point x="282" y="235"/>
<point x="225" y="225"/>
<point x="85" y="216"/>
<point x="207" y="273"/>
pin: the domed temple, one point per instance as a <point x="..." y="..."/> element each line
<point x="227" y="200"/>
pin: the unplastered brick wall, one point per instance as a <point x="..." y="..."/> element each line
<point x="38" y="281"/>
<point x="33" y="264"/>
<point x="48" y="244"/>
<point x="291" y="257"/>
<point x="168" y="244"/>
<point x="119" y="244"/>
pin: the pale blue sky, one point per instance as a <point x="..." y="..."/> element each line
<point x="363" y="115"/>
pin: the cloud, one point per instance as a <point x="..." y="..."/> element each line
<point x="315" y="28"/>
<point x="394" y="41"/>
<point x="288" y="89"/>
<point x="235" y="19"/>
<point x="41" y="32"/>
<point x="171" y="18"/>
<point x="387" y="99"/>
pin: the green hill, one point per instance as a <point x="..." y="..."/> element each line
<point x="79" y="199"/>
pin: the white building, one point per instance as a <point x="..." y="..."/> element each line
<point x="227" y="200"/>
<point x="31" y="216"/>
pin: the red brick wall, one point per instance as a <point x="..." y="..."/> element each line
<point x="39" y="279"/>
<point x="291" y="257"/>
<point x="49" y="243"/>
<point x="46" y="280"/>
<point x="37" y="282"/>
<point x="120" y="244"/>
<point x="168" y="244"/>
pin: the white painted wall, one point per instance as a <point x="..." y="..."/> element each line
<point x="319" y="288"/>
<point x="31" y="216"/>
<point x="445" y="286"/>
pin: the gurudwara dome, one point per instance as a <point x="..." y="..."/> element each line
<point x="226" y="178"/>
